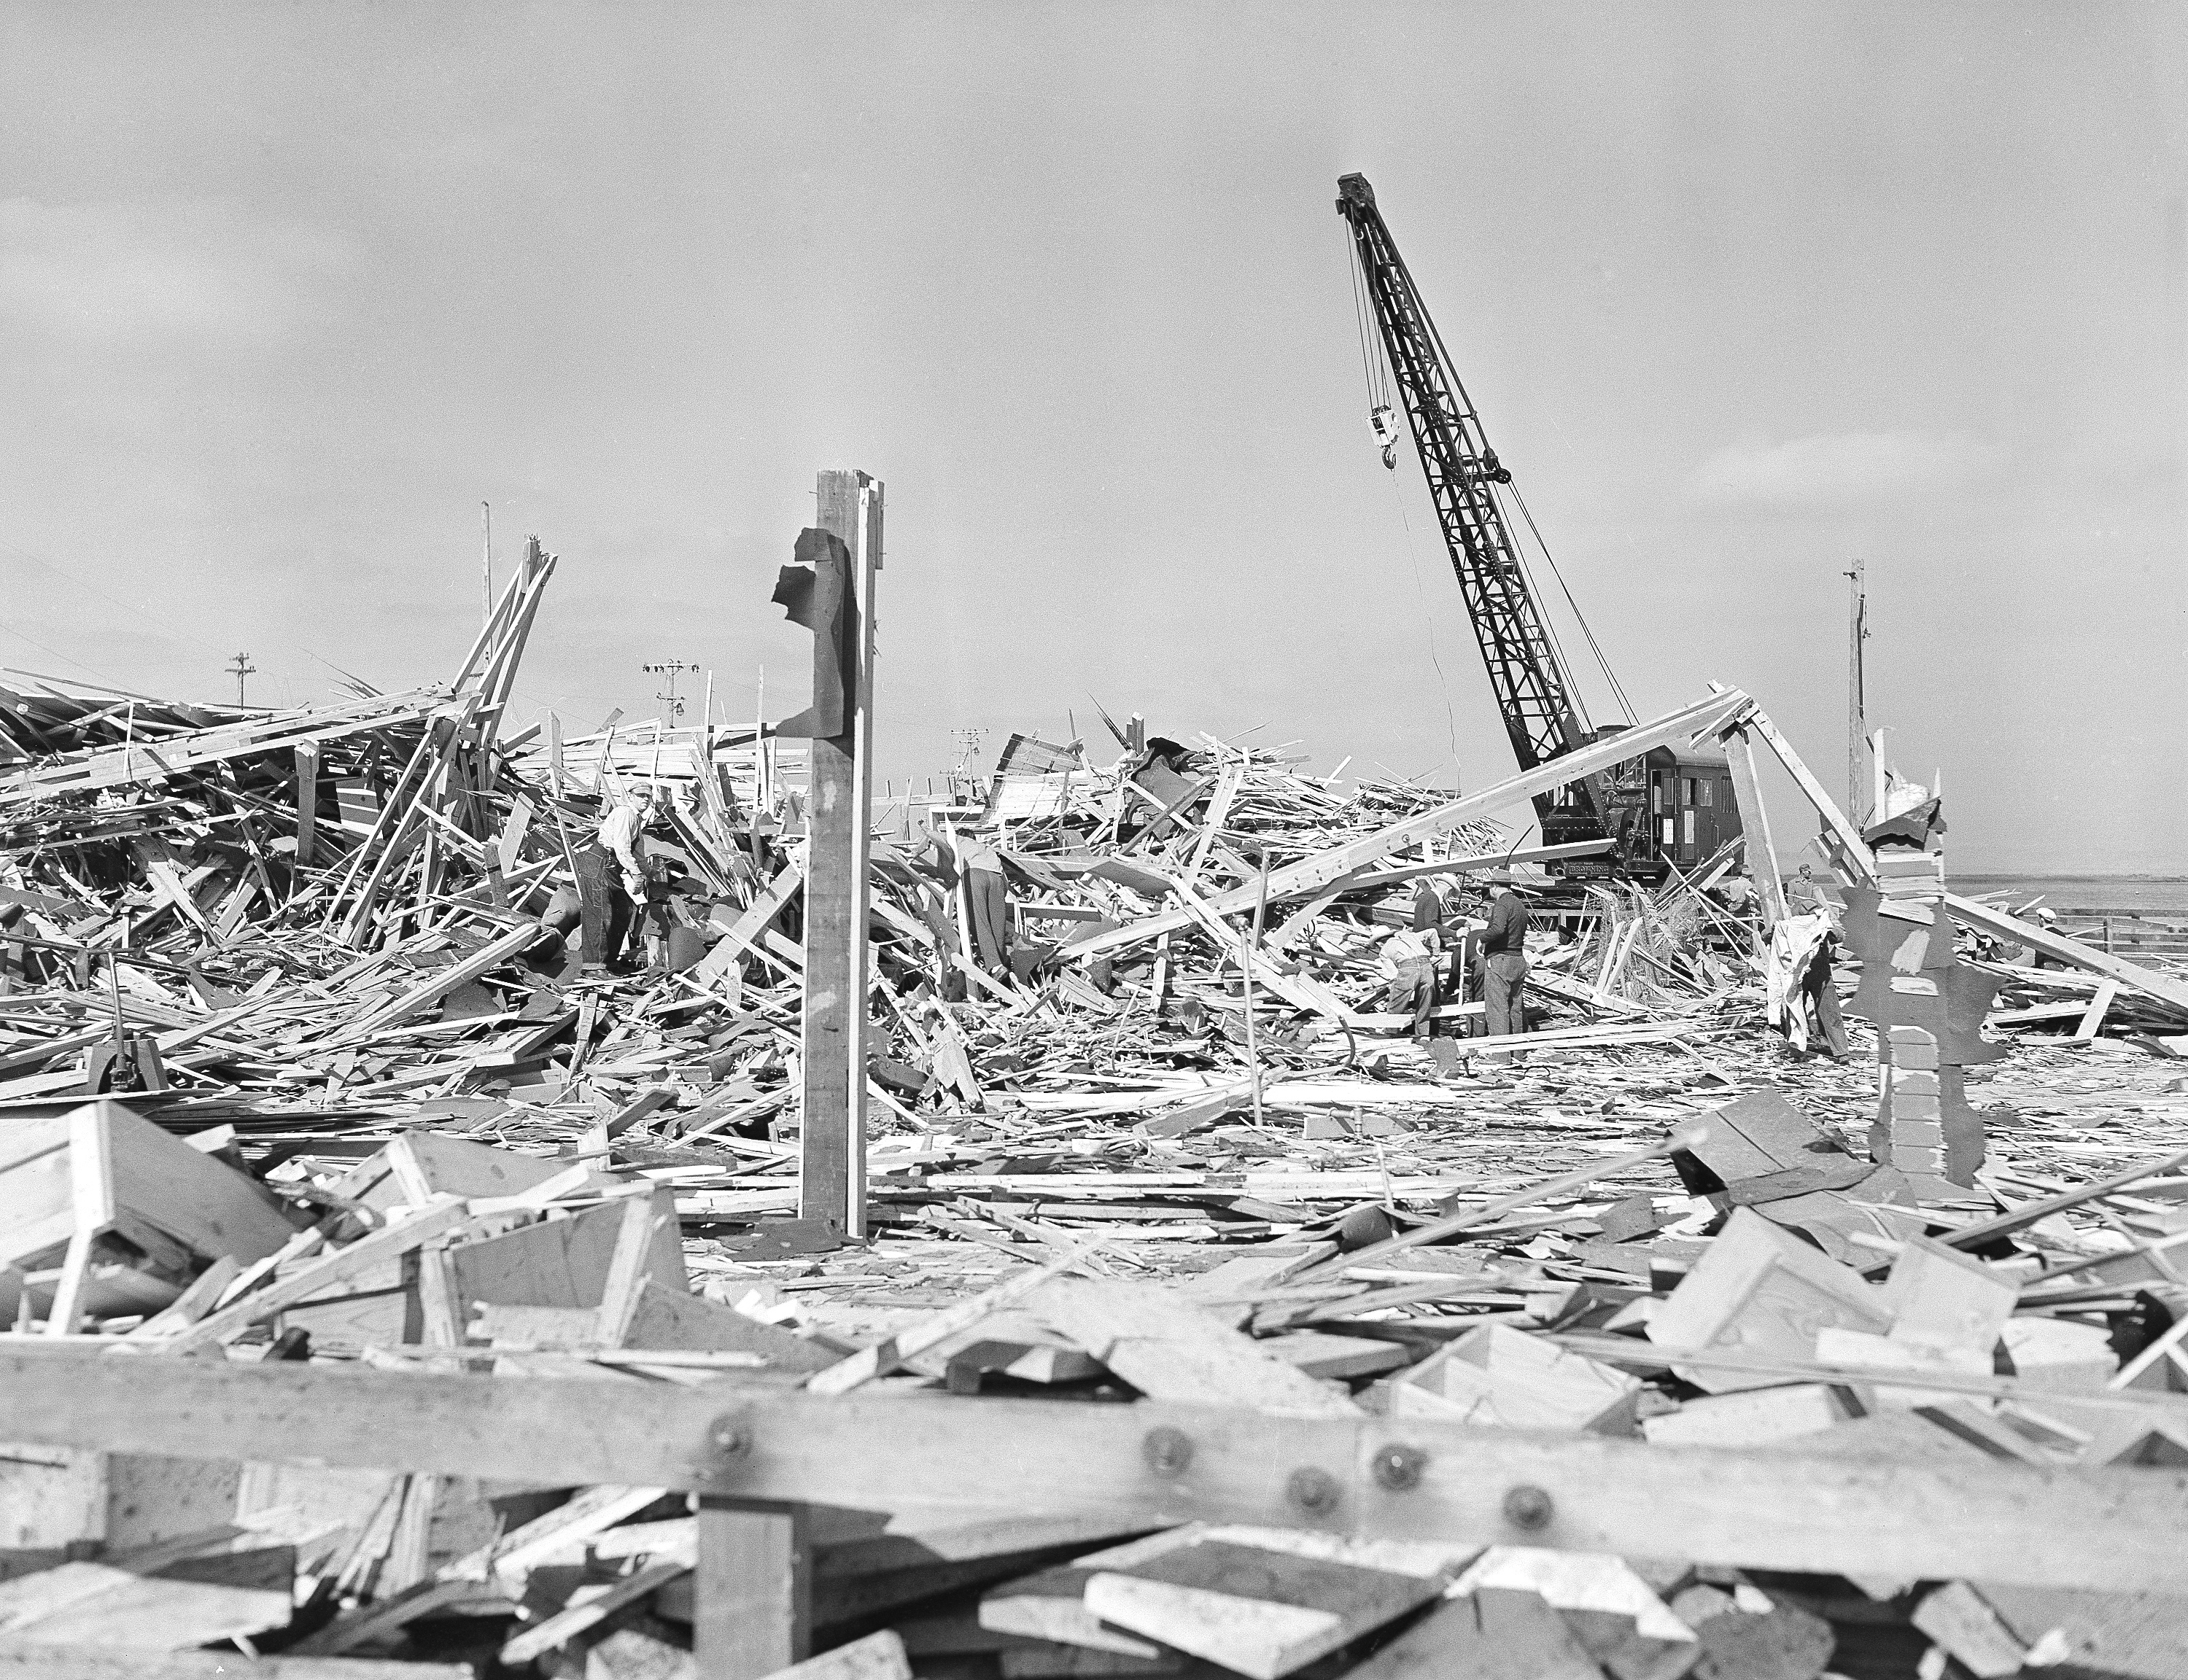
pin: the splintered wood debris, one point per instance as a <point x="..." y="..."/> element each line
<point x="370" y="1109"/>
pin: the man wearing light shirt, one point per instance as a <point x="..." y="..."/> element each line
<point x="1409" y="961"/>
<point x="982" y="867"/>
<point x="610" y="876"/>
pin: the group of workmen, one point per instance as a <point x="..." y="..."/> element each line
<point x="1448" y="953"/>
<point x="634" y="894"/>
<point x="629" y="894"/>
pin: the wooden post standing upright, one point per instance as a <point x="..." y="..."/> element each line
<point x="833" y="1180"/>
<point x="308" y="798"/>
<point x="1755" y="826"/>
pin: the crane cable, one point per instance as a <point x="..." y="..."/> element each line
<point x="1465" y="402"/>
<point x="1371" y="364"/>
<point x="1601" y="661"/>
<point x="1379" y="394"/>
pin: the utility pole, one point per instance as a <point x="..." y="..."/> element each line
<point x="672" y="669"/>
<point x="486" y="573"/>
<point x="964" y="776"/>
<point x="242" y="667"/>
<point x="832" y="1143"/>
<point x="1856" y="698"/>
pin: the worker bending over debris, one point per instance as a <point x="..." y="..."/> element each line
<point x="1504" y="960"/>
<point x="611" y="878"/>
<point x="1409" y="961"/>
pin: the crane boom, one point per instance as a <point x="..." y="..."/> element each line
<point x="1541" y="707"/>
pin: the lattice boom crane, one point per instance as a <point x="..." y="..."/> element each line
<point x="1540" y="707"/>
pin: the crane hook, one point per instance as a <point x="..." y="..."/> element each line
<point x="1386" y="433"/>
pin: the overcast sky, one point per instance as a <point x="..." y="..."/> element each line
<point x="1742" y="292"/>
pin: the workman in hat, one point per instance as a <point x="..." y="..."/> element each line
<point x="980" y="865"/>
<point x="1804" y="896"/>
<point x="1409" y="964"/>
<point x="1504" y="958"/>
<point x="611" y="880"/>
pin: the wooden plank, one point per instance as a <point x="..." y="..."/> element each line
<point x="107" y="1662"/>
<point x="135" y="1174"/>
<point x="627" y="1275"/>
<point x="747" y="927"/>
<point x="1443" y="1229"/>
<point x="2021" y="1218"/>
<point x="2163" y="987"/>
<point x="1168" y="1349"/>
<point x="442" y="982"/>
<point x="2118" y="1530"/>
<point x="202" y="1204"/>
<point x="1322" y="869"/>
<point x="85" y="1603"/>
<point x="1476" y="863"/>
<point x="1227" y="783"/>
<point x="886" y="1355"/>
<point x="1485" y="1635"/>
<point x="878" y="1657"/>
<point x="1262" y="1603"/>
<point x="503" y="1563"/>
<point x="115" y="766"/>
<point x="93" y="1207"/>
<point x="831" y="1176"/>
<point x="1853" y="855"/>
<point x="1754" y="826"/>
<point x="754" y="1593"/>
<point x="674" y="1318"/>
<point x="362" y="1255"/>
<point x="1501" y="1378"/>
<point x="1761" y="1290"/>
<point x="566" y="1624"/>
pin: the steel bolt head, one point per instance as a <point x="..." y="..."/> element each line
<point x="730" y="1438"/>
<point x="1315" y="1492"/>
<point x="1529" y="1508"/>
<point x="1168" y="1452"/>
<point x="1398" y="1467"/>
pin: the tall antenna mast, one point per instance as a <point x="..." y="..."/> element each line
<point x="486" y="573"/>
<point x="243" y="667"/>
<point x="1856" y="697"/>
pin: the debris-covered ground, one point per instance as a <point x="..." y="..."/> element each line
<point x="372" y="1107"/>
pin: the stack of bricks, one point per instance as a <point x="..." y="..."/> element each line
<point x="1928" y="1009"/>
<point x="1910" y="1105"/>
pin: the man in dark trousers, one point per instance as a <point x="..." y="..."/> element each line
<point x="609" y="867"/>
<point x="982" y="868"/>
<point x="1504" y="960"/>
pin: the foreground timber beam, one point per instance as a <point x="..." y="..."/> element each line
<point x="2121" y="1530"/>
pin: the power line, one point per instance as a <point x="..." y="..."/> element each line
<point x="64" y="658"/>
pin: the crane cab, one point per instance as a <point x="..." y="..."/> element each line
<point x="1685" y="810"/>
<point x="1668" y="806"/>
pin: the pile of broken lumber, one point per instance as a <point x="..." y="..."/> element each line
<point x="1162" y="1155"/>
<point x="1770" y="1295"/>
